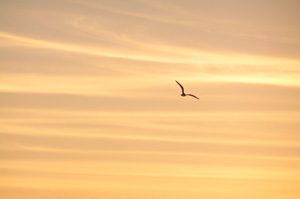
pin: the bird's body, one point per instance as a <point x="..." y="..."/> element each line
<point x="183" y="94"/>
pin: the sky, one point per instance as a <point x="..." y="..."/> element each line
<point x="89" y="106"/>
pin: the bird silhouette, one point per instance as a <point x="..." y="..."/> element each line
<point x="183" y="94"/>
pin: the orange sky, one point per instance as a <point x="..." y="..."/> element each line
<point x="89" y="106"/>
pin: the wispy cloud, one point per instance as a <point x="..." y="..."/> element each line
<point x="196" y="59"/>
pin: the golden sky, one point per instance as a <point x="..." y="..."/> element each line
<point x="89" y="106"/>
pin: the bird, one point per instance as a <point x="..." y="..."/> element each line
<point x="183" y="94"/>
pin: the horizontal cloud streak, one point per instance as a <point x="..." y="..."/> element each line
<point x="91" y="94"/>
<point x="186" y="57"/>
<point x="216" y="149"/>
<point x="202" y="65"/>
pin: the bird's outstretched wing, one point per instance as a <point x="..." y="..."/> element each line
<point x="180" y="86"/>
<point x="192" y="96"/>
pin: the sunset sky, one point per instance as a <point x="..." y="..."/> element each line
<point x="89" y="106"/>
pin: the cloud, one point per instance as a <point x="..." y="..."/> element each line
<point x="89" y="105"/>
<point x="216" y="66"/>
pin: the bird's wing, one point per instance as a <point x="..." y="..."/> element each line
<point x="192" y="96"/>
<point x="180" y="86"/>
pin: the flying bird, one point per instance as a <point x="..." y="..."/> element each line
<point x="183" y="94"/>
